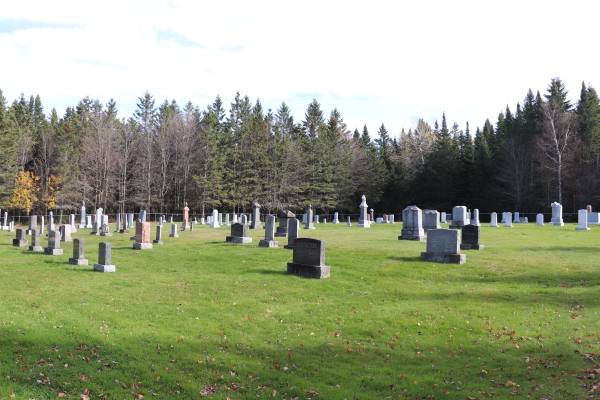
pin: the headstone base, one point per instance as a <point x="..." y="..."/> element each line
<point x="4" y="228"/>
<point x="280" y="234"/>
<point x="173" y="235"/>
<point x="308" y="271"/>
<point x="310" y="227"/>
<point x="36" y="248"/>
<point x="268" y="243"/>
<point x="20" y="243"/>
<point x="444" y="258"/>
<point x="104" y="268"/>
<point x="365" y="225"/>
<point x="28" y="232"/>
<point x="142" y="246"/>
<point x="82" y="226"/>
<point x="471" y="247"/>
<point x="73" y="229"/>
<point x="255" y="227"/>
<point x="78" y="261"/>
<point x="53" y="252"/>
<point x="558" y="223"/>
<point x="349" y="224"/>
<point x="106" y="234"/>
<point x="456" y="225"/>
<point x="416" y="238"/>
<point x="582" y="229"/>
<point x="238" y="239"/>
<point x="158" y="241"/>
<point x="93" y="233"/>
<point x="67" y="239"/>
<point x="132" y="238"/>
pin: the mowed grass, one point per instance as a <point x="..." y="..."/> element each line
<point x="519" y="319"/>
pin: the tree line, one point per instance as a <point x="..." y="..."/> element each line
<point x="165" y="155"/>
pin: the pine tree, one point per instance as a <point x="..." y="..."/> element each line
<point x="557" y="92"/>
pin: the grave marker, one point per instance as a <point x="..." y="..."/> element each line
<point x="471" y="235"/>
<point x="309" y="259"/>
<point x="35" y="241"/>
<point x="443" y="247"/>
<point x="239" y="234"/>
<point x="174" y="233"/>
<point x="412" y="225"/>
<point x="255" y="217"/>
<point x="309" y="218"/>
<point x="78" y="250"/>
<point x="284" y="216"/>
<point x="104" y="258"/>
<point x="142" y="236"/>
<point x="53" y="248"/>
<point x="363" y="219"/>
<point x="582" y="218"/>
<point x="158" y="239"/>
<point x="293" y="232"/>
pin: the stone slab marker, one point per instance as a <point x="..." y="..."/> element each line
<point x="348" y="223"/>
<point x="53" y="248"/>
<point x="227" y="220"/>
<point x="293" y="232"/>
<point x="335" y="218"/>
<point x="508" y="220"/>
<point x="309" y="218"/>
<point x="269" y="233"/>
<point x="309" y="259"/>
<point x="459" y="217"/>
<point x="494" y="220"/>
<point x="78" y="253"/>
<point x="412" y="225"/>
<point x="174" y="233"/>
<point x="582" y="217"/>
<point x="186" y="216"/>
<point x="35" y="241"/>
<point x="431" y="220"/>
<point x="471" y="235"/>
<point x="557" y="219"/>
<point x="255" y="217"/>
<point x="363" y="219"/>
<point x="475" y="219"/>
<point x="72" y="223"/>
<point x="539" y="220"/>
<point x="517" y="217"/>
<point x="142" y="236"/>
<point x="118" y="223"/>
<point x="104" y="258"/>
<point x="142" y="216"/>
<point x="284" y="217"/>
<point x="443" y="247"/>
<point x="5" y="221"/>
<point x="65" y="233"/>
<point x="32" y="224"/>
<point x="239" y="234"/>
<point x="215" y="219"/>
<point x="82" y="217"/>
<point x="443" y="217"/>
<point x="158" y="239"/>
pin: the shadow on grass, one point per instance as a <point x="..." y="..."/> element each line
<point x="562" y="249"/>
<point x="267" y="272"/>
<point x="408" y="259"/>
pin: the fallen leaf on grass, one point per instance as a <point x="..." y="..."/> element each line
<point x="510" y="383"/>
<point x="61" y="394"/>
<point x="85" y="395"/>
<point x="208" y="390"/>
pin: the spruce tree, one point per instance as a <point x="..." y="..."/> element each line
<point x="557" y="92"/>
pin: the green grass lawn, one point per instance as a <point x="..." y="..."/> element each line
<point x="518" y="320"/>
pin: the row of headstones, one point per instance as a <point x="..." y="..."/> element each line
<point x="54" y="238"/>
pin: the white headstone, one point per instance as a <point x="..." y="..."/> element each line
<point x="363" y="220"/>
<point x="494" y="220"/>
<point x="335" y="218"/>
<point x="582" y="220"/>
<point x="475" y="219"/>
<point x="508" y="220"/>
<point x="539" y="220"/>
<point x="516" y="219"/>
<point x="557" y="219"/>
<point x="215" y="219"/>
<point x="443" y="217"/>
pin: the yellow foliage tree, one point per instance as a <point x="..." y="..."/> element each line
<point x="24" y="194"/>
<point x="53" y="186"/>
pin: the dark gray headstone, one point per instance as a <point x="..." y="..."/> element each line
<point x="35" y="241"/>
<point x="470" y="238"/>
<point x="293" y="230"/>
<point x="443" y="247"/>
<point x="21" y="239"/>
<point x="53" y="243"/>
<point x="78" y="253"/>
<point x="309" y="259"/>
<point x="104" y="258"/>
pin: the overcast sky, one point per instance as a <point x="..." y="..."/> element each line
<point x="376" y="61"/>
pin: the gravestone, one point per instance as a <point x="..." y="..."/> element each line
<point x="517" y="218"/>
<point x="348" y="223"/>
<point x="202" y="221"/>
<point x="78" y="253"/>
<point x="65" y="233"/>
<point x="363" y="219"/>
<point x="105" y="230"/>
<point x="557" y="219"/>
<point x="214" y="223"/>
<point x="459" y="217"/>
<point x="582" y="220"/>
<point x="335" y="218"/>
<point x="239" y="234"/>
<point x="51" y="221"/>
<point x="186" y="216"/>
<point x="82" y="218"/>
<point x="95" y="225"/>
<point x="129" y="220"/>
<point x="386" y="219"/>
<point x="234" y="219"/>
<point x="309" y="218"/>
<point x="243" y="219"/>
<point x="142" y="236"/>
<point x="170" y="219"/>
<point x="593" y="218"/>
<point x="443" y="247"/>
<point x="118" y="223"/>
<point x="104" y="258"/>
<point x="304" y="220"/>
<point x="539" y="220"/>
<point x="158" y="239"/>
<point x="227" y="220"/>
<point x="391" y="219"/>
<point x="309" y="259"/>
<point x="494" y="220"/>
<point x="284" y="216"/>
<point x="471" y="235"/>
<point x="174" y="233"/>
<point x="293" y="233"/>
<point x="35" y="241"/>
<point x="316" y="219"/>
<point x="372" y="215"/>
<point x="412" y="225"/>
<point x="53" y="248"/>
<point x="431" y="220"/>
<point x="379" y="220"/>
<point x="220" y="219"/>
<point x="508" y="220"/>
<point x="32" y="224"/>
<point x="443" y="217"/>
<point x="588" y="208"/>
<point x="269" y="241"/>
<point x="5" y="221"/>
<point x="475" y="219"/>
<point x="142" y="216"/>
<point x="72" y="223"/>
<point x="255" y="224"/>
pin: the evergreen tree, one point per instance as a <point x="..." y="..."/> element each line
<point x="557" y="92"/>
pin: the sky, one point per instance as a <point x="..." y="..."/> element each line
<point x="389" y="62"/>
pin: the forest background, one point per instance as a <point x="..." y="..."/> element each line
<point x="546" y="150"/>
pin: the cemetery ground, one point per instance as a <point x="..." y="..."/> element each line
<point x="198" y="316"/>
